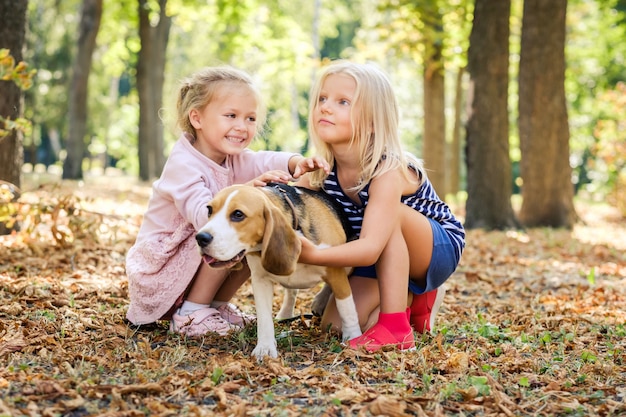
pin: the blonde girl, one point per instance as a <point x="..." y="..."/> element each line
<point x="409" y="240"/>
<point x="219" y="111"/>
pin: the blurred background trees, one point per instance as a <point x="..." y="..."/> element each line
<point x="90" y="16"/>
<point x="143" y="47"/>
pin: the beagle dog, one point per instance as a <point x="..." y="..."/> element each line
<point x="263" y="224"/>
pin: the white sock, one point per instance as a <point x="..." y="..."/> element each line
<point x="189" y="307"/>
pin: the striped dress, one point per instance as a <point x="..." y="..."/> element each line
<point x="425" y="200"/>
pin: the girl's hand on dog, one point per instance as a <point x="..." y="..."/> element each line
<point x="303" y="166"/>
<point x="310" y="164"/>
<point x="307" y="251"/>
<point x="270" y="176"/>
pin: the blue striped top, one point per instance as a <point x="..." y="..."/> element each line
<point x="425" y="200"/>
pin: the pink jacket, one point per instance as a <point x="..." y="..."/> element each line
<point x="164" y="259"/>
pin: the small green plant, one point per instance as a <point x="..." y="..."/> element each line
<point x="427" y="380"/>
<point x="481" y="383"/>
<point x="492" y="370"/>
<point x="588" y="356"/>
<point x="217" y="375"/>
<point x="488" y="330"/>
<point x="449" y="391"/>
<point x="546" y="338"/>
<point x="49" y="315"/>
<point x="335" y="346"/>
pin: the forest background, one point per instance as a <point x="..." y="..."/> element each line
<point x="516" y="106"/>
<point x="106" y="80"/>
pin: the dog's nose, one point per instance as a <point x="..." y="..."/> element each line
<point x="204" y="239"/>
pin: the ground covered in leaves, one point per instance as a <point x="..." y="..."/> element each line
<point x="534" y="324"/>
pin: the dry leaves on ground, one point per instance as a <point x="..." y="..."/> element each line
<point x="533" y="325"/>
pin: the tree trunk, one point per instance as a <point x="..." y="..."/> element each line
<point x="12" y="37"/>
<point x="453" y="176"/>
<point x="547" y="189"/>
<point x="91" y="15"/>
<point x="434" y="152"/>
<point x="489" y="176"/>
<point x="150" y="79"/>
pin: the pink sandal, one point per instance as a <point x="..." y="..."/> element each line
<point x="234" y="316"/>
<point x="201" y="322"/>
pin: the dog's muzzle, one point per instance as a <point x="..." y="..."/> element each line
<point x="204" y="239"/>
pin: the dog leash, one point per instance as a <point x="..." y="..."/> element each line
<point x="300" y="317"/>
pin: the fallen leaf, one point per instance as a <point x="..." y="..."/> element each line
<point x="386" y="406"/>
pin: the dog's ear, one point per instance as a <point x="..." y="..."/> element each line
<point x="281" y="246"/>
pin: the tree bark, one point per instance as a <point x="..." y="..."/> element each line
<point x="150" y="79"/>
<point x="453" y="176"/>
<point x="12" y="37"/>
<point x="91" y="16"/>
<point x="547" y="189"/>
<point x="434" y="153"/>
<point x="489" y="176"/>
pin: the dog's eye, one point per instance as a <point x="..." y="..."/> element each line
<point x="210" y="210"/>
<point x="237" y="216"/>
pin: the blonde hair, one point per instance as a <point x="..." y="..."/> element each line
<point x="374" y="117"/>
<point x="200" y="88"/>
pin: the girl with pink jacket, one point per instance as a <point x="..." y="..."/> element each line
<point x="219" y="111"/>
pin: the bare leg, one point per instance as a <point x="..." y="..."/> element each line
<point x="392" y="270"/>
<point x="216" y="284"/>
<point x="415" y="237"/>
<point x="366" y="299"/>
<point x="232" y="282"/>
<point x="418" y="235"/>
<point x="409" y="249"/>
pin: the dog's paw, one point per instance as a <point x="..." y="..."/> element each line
<point x="284" y="315"/>
<point x="261" y="351"/>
